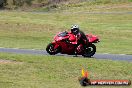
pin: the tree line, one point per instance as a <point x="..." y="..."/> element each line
<point x="20" y="3"/>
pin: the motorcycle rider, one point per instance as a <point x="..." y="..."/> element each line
<point x="80" y="36"/>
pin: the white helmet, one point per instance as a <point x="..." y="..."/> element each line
<point x="75" y="29"/>
<point x="75" y="26"/>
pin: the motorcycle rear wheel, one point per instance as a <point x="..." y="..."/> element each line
<point x="50" y="49"/>
<point x="89" y="51"/>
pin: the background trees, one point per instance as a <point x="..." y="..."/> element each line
<point x="20" y="3"/>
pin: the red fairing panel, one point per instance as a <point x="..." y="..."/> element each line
<point x="92" y="38"/>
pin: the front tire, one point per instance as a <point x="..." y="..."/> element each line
<point x="50" y="49"/>
<point x="89" y="51"/>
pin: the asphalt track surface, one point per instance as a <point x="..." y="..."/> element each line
<point x="121" y="57"/>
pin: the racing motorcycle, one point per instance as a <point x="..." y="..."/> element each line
<point x="65" y="43"/>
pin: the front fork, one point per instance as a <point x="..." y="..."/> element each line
<point x="55" y="45"/>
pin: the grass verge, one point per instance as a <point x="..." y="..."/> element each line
<point x="30" y="71"/>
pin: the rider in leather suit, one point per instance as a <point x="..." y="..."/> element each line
<point x="81" y="37"/>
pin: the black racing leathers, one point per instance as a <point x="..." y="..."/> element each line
<point x="82" y="39"/>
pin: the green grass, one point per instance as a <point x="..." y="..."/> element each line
<point x="36" y="30"/>
<point x="87" y="6"/>
<point x="28" y="71"/>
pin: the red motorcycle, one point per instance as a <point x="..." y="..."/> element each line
<point x="65" y="43"/>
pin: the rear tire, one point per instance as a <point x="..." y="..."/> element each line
<point x="89" y="51"/>
<point x="50" y="49"/>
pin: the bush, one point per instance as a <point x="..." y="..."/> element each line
<point x="55" y="3"/>
<point x="22" y="2"/>
<point x="3" y="3"/>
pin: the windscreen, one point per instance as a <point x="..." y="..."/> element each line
<point x="63" y="34"/>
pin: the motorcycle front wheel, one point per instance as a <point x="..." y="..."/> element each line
<point x="50" y="49"/>
<point x="89" y="51"/>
